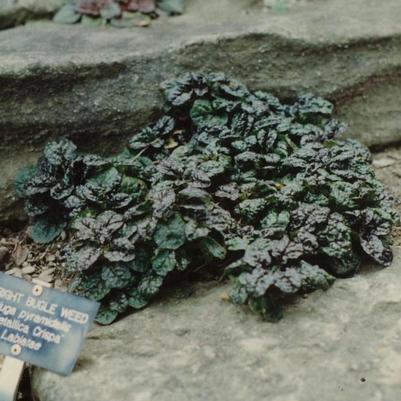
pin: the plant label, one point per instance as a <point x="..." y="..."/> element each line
<point x="43" y="326"/>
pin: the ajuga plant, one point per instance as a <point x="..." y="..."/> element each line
<point x="228" y="180"/>
<point x="119" y="13"/>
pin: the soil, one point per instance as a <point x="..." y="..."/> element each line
<point x="20" y="257"/>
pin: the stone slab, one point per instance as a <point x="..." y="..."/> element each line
<point x="344" y="344"/>
<point x="99" y="85"/>
<point x="18" y="12"/>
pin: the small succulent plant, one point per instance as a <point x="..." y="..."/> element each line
<point x="119" y="13"/>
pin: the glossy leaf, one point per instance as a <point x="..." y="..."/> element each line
<point x="171" y="233"/>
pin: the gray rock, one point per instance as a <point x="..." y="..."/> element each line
<point x="47" y="276"/>
<point x="28" y="269"/>
<point x="340" y="345"/>
<point x="15" y="272"/>
<point x="99" y="85"/>
<point x="17" y="12"/>
<point x="383" y="162"/>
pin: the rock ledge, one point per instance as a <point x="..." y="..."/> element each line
<point x="339" y="345"/>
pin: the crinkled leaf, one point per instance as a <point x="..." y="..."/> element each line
<point x="22" y="178"/>
<point x="84" y="258"/>
<point x="47" y="230"/>
<point x="59" y="153"/>
<point x="213" y="249"/>
<point x="109" y="311"/>
<point x="90" y="286"/>
<point x="164" y="262"/>
<point x="150" y="285"/>
<point x="376" y="249"/>
<point x="170" y="234"/>
<point x="116" y="277"/>
<point x="202" y="114"/>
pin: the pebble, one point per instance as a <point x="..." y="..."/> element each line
<point x="59" y="284"/>
<point x="51" y="258"/>
<point x="27" y="277"/>
<point x="21" y="255"/>
<point x="46" y="276"/>
<point x="16" y="272"/>
<point x="383" y="162"/>
<point x="28" y="269"/>
<point x="50" y="270"/>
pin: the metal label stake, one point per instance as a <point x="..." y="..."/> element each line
<point x="11" y="372"/>
<point x="10" y="378"/>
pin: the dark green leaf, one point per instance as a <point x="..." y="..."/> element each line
<point x="22" y="178"/>
<point x="116" y="277"/>
<point x="170" y="234"/>
<point x="164" y="262"/>
<point x="45" y="231"/>
<point x="202" y="114"/>
<point x="213" y="249"/>
<point x="67" y="15"/>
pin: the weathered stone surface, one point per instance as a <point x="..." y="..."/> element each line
<point x="99" y="85"/>
<point x="344" y="344"/>
<point x="17" y="12"/>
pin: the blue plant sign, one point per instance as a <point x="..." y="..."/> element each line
<point x="43" y="326"/>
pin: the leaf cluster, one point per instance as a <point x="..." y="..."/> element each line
<point x="119" y="13"/>
<point x="227" y="180"/>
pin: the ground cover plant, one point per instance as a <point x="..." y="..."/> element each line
<point x="119" y="13"/>
<point x="229" y="181"/>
